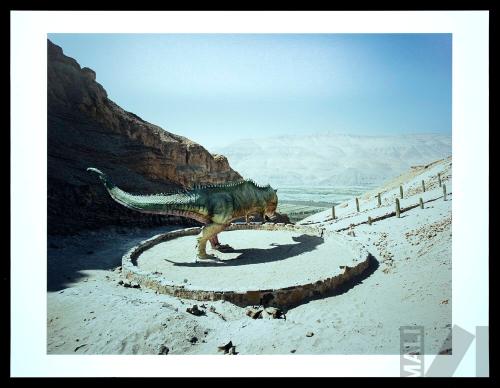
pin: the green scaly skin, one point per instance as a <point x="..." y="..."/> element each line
<point x="214" y="205"/>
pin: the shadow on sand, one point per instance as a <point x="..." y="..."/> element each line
<point x="306" y="243"/>
<point x="69" y="257"/>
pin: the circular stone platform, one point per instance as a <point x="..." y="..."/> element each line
<point x="275" y="264"/>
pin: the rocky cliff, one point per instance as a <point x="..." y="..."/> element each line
<point x="85" y="128"/>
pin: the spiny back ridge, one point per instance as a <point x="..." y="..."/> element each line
<point x="229" y="184"/>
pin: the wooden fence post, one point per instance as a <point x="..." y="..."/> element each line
<point x="333" y="212"/>
<point x="401" y="191"/>
<point x="439" y="178"/>
<point x="379" y="200"/>
<point x="357" y="205"/>
<point x="421" y="203"/>
<point x="423" y="186"/>
<point x="398" y="209"/>
<point x="444" y="192"/>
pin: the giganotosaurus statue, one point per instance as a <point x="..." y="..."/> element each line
<point x="214" y="205"/>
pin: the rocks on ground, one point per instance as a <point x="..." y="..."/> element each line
<point x="195" y="311"/>
<point x="213" y="310"/>
<point x="265" y="312"/>
<point x="128" y="284"/>
<point x="228" y="348"/>
<point x="193" y="340"/>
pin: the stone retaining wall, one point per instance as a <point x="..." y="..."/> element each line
<point x="283" y="297"/>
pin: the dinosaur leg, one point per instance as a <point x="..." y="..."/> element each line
<point x="214" y="242"/>
<point x="216" y="245"/>
<point x="207" y="233"/>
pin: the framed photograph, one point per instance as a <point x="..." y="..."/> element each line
<point x="263" y="191"/>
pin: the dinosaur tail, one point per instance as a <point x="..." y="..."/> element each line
<point x="134" y="202"/>
<point x="156" y="204"/>
<point x="103" y="177"/>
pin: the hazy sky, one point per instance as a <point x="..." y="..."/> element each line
<point x="215" y="88"/>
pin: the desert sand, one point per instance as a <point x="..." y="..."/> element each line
<point x="90" y="311"/>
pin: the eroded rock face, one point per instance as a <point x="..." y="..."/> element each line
<point x="85" y="128"/>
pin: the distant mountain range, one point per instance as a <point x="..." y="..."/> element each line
<point x="326" y="160"/>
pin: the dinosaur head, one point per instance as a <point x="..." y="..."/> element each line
<point x="271" y="203"/>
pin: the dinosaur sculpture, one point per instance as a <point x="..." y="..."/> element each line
<point x="214" y="205"/>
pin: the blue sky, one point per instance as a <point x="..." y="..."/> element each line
<point x="216" y="88"/>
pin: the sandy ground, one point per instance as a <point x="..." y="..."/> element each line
<point x="260" y="260"/>
<point x="90" y="313"/>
